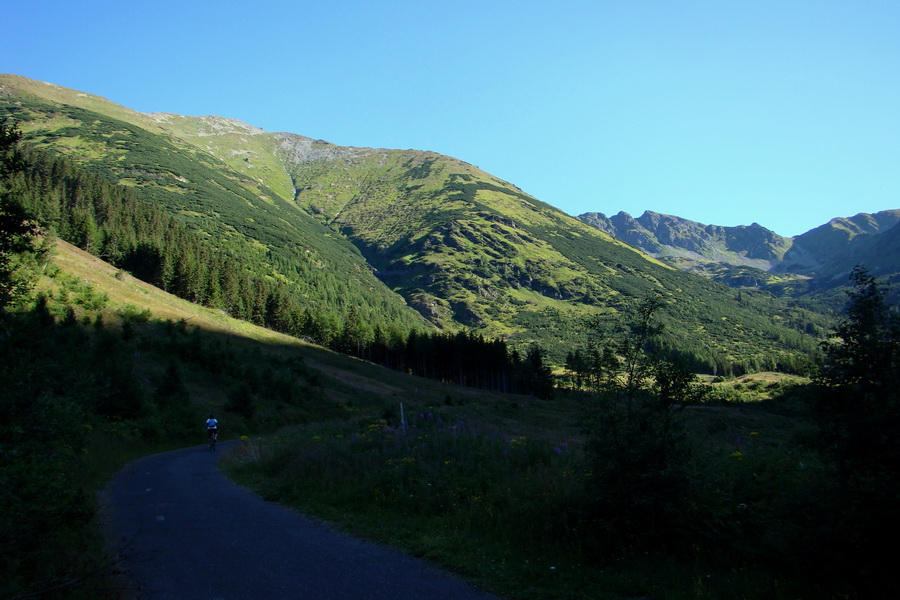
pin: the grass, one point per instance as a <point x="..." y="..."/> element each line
<point x="125" y="291"/>
<point x="430" y="487"/>
<point x="496" y="491"/>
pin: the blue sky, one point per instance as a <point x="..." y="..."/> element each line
<point x="785" y="113"/>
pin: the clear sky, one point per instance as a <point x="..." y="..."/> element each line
<point x="726" y="112"/>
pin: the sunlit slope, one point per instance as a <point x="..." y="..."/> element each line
<point x="459" y="243"/>
<point x="264" y="231"/>
<point x="346" y="380"/>
<point x="465" y="247"/>
<point x="247" y="150"/>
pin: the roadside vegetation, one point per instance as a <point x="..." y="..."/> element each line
<point x="665" y="488"/>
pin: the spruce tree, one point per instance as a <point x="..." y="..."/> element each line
<point x="16" y="229"/>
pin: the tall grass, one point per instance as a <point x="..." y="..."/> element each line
<point x="436" y="484"/>
<point x="514" y="514"/>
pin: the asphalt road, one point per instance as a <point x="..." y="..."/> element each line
<point x="184" y="531"/>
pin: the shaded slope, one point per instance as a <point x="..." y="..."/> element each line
<point x="831" y="250"/>
<point x="810" y="265"/>
<point x="685" y="243"/>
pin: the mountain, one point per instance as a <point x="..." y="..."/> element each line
<point x="233" y="210"/>
<point x="683" y="242"/>
<point x="813" y="263"/>
<point x="405" y="237"/>
<point x="832" y="249"/>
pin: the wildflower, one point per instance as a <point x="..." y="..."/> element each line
<point x="737" y="455"/>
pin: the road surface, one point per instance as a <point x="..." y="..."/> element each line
<point x="184" y="531"/>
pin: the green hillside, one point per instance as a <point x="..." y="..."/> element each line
<point x="265" y="233"/>
<point x="382" y="232"/>
<point x="466" y="248"/>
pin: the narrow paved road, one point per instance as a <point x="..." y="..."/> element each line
<point x="186" y="532"/>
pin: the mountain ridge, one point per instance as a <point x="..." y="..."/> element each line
<point x="820" y="258"/>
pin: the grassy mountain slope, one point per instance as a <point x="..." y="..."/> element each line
<point x="465" y="247"/>
<point x="118" y="296"/>
<point x="460" y="246"/>
<point x="234" y="211"/>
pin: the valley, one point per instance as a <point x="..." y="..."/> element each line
<point x="423" y="355"/>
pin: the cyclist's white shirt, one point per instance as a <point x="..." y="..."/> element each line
<point x="212" y="424"/>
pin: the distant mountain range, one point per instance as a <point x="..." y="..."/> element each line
<point x="754" y="256"/>
<point x="407" y="238"/>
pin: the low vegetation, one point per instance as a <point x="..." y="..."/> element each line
<point x="661" y="491"/>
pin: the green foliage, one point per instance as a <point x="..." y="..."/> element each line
<point x="866" y="354"/>
<point x="858" y="411"/>
<point x="466" y="249"/>
<point x="653" y="484"/>
<point x="16" y="229"/>
<point x="439" y="482"/>
<point x="462" y="248"/>
<point x="748" y="514"/>
<point x="640" y="462"/>
<point x="72" y="387"/>
<point x="53" y="380"/>
<point x="240" y="402"/>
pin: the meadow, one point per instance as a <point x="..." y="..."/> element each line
<point x="508" y="502"/>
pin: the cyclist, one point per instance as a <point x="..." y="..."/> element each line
<point x="212" y="427"/>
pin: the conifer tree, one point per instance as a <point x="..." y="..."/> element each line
<point x="16" y="229"/>
<point x="859" y="416"/>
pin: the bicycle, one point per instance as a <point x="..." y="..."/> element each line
<point x="212" y="440"/>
